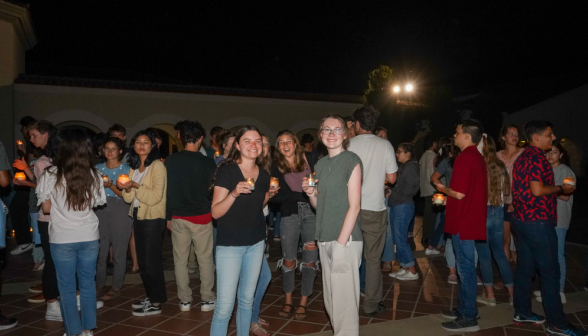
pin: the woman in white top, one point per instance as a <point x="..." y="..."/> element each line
<point x="68" y="191"/>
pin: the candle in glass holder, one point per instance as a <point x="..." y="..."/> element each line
<point x="18" y="142"/>
<point x="311" y="180"/>
<point x="20" y="176"/>
<point x="216" y="154"/>
<point x="123" y="178"/>
<point x="570" y="181"/>
<point x="274" y="183"/>
<point x="251" y="182"/>
<point x="438" y="199"/>
<point x="105" y="178"/>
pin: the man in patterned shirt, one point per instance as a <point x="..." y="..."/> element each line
<point x="535" y="217"/>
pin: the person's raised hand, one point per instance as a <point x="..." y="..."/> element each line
<point x="20" y="164"/>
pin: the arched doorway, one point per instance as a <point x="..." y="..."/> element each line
<point x="169" y="139"/>
<point x="90" y="129"/>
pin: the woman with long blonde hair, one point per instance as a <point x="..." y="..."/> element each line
<point x="298" y="220"/>
<point x="498" y="190"/>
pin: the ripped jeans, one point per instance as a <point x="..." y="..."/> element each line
<point x="293" y="227"/>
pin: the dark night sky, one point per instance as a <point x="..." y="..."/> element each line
<point x="312" y="46"/>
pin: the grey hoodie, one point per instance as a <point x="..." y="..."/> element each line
<point x="407" y="184"/>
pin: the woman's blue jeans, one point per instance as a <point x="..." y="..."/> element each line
<point x="400" y="217"/>
<point x="237" y="270"/>
<point x="494" y="242"/>
<point x="561" y="245"/>
<point x="70" y="260"/>
<point x="264" y="279"/>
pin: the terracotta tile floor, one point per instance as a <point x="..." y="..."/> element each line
<point x="429" y="295"/>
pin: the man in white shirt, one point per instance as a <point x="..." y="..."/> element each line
<point x="379" y="165"/>
<point x="427" y="189"/>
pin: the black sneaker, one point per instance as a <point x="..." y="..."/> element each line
<point x="453" y="314"/>
<point x="140" y="304"/>
<point x="147" y="310"/>
<point x="533" y="319"/>
<point x="379" y="310"/>
<point x="461" y="325"/>
<point x="7" y="323"/>
<point x="570" y="330"/>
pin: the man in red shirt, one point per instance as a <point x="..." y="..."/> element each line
<point x="465" y="220"/>
<point x="535" y="217"/>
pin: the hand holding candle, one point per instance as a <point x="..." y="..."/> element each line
<point x="20" y="176"/>
<point x="311" y="180"/>
<point x="570" y="180"/>
<point x="438" y="199"/>
<point x="123" y="180"/>
<point x="251" y="182"/>
<point x="18" y="142"/>
<point x="274" y="183"/>
<point x="216" y="154"/>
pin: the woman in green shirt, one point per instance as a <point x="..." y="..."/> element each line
<point x="337" y="199"/>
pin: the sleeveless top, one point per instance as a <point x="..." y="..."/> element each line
<point x="509" y="164"/>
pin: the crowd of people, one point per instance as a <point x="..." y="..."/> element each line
<point x="347" y="206"/>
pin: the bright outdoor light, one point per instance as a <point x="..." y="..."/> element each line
<point x="396" y="89"/>
<point x="408" y="88"/>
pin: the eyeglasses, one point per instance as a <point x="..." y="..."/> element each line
<point x="336" y="131"/>
<point x="400" y="152"/>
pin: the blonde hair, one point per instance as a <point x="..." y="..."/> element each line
<point x="498" y="180"/>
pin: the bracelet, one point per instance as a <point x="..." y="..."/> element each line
<point x="310" y="195"/>
<point x="561" y="189"/>
<point x="232" y="194"/>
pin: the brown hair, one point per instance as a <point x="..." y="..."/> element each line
<point x="282" y="162"/>
<point x="74" y="165"/>
<point x="498" y="180"/>
<point x="503" y="132"/>
<point x="343" y="125"/>
<point x="266" y="162"/>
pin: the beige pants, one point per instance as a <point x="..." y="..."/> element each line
<point x="340" y="266"/>
<point x="184" y="234"/>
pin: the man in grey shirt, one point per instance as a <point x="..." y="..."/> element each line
<point x="379" y="165"/>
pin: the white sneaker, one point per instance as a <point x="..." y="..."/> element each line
<point x="53" y="311"/>
<point x="87" y="333"/>
<point x="99" y="304"/>
<point x="539" y="299"/>
<point x="537" y="293"/>
<point x="397" y="273"/>
<point x="479" y="281"/>
<point x="207" y="306"/>
<point x="185" y="306"/>
<point x="191" y="270"/>
<point x="452" y="279"/>
<point x="21" y="249"/>
<point x="408" y="276"/>
<point x="140" y="304"/>
<point x="431" y="251"/>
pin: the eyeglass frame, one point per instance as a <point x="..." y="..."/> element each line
<point x="334" y="131"/>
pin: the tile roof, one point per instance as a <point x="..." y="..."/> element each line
<point x="181" y="88"/>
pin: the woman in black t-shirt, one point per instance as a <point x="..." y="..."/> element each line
<point x="238" y="208"/>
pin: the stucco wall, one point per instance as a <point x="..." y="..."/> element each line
<point x="137" y="110"/>
<point x="568" y="113"/>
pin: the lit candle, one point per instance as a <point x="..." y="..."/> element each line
<point x="216" y="154"/>
<point x="105" y="178"/>
<point x="251" y="181"/>
<point x="123" y="178"/>
<point x="20" y="176"/>
<point x="570" y="181"/>
<point x="438" y="199"/>
<point x="18" y="142"/>
<point x="311" y="180"/>
<point x="274" y="183"/>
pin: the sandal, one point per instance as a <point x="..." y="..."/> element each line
<point x="284" y="313"/>
<point x="262" y="322"/>
<point x="112" y="294"/>
<point x="300" y="316"/>
<point x="257" y="330"/>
